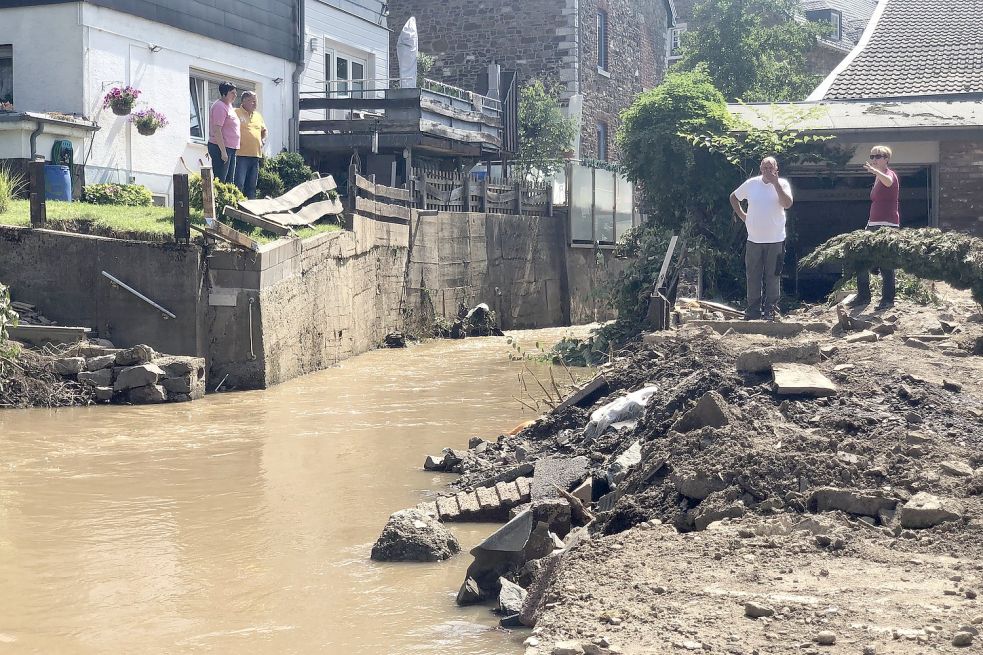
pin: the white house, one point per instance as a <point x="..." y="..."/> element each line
<point x="63" y="57"/>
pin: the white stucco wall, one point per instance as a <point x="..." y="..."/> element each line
<point x="116" y="50"/>
<point x="348" y="34"/>
<point x="46" y="44"/>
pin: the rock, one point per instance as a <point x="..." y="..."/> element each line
<point x="100" y="378"/>
<point x="962" y="639"/>
<point x="434" y="463"/>
<point x="536" y="597"/>
<point x="843" y="368"/>
<point x="568" y="647"/>
<point x="917" y="343"/>
<point x="802" y="380"/>
<point x="619" y="468"/>
<point x="510" y="597"/>
<point x="851" y="501"/>
<point x="540" y="543"/>
<point x="709" y="512"/>
<point x="958" y="469"/>
<point x="862" y="337"/>
<point x="884" y="329"/>
<point x="69" y="365"/>
<point x="511" y="537"/>
<point x="151" y="394"/>
<point x="710" y="411"/>
<point x="181" y="384"/>
<point x="469" y="593"/>
<point x="951" y="385"/>
<point x="563" y="472"/>
<point x="555" y="513"/>
<point x="585" y="492"/>
<point x="414" y="536"/>
<point x="757" y="610"/>
<point x="924" y="510"/>
<point x="103" y="394"/>
<point x="697" y="485"/>
<point x="99" y="363"/>
<point x="137" y="376"/>
<point x="140" y="354"/>
<point x="826" y="638"/>
<point x="760" y="360"/>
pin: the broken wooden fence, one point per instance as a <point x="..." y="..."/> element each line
<point x="384" y="203"/>
<point x="462" y="192"/>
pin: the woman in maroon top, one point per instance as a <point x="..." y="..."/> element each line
<point x="884" y="214"/>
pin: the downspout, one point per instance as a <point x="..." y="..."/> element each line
<point x="294" y="122"/>
<point x="34" y="139"/>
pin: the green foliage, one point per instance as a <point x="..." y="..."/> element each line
<point x="291" y="168"/>
<point x="225" y="194"/>
<point x="753" y="50"/>
<point x="545" y="134"/>
<point x="928" y="253"/>
<point x="130" y="195"/>
<point x="269" y="183"/>
<point x="424" y="64"/>
<point x="11" y="185"/>
<point x="8" y="318"/>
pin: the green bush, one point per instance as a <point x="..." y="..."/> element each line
<point x="225" y="194"/>
<point x="8" y="318"/>
<point x="11" y="186"/>
<point x="269" y="183"/>
<point x="291" y="169"/>
<point x="130" y="195"/>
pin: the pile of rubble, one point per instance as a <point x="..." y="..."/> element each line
<point x="29" y="315"/>
<point x="136" y="375"/>
<point x="828" y="436"/>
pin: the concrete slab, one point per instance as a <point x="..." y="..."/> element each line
<point x="468" y="502"/>
<point x="560" y="471"/>
<point x="525" y="487"/>
<point x="862" y="337"/>
<point x="488" y="498"/>
<point x="511" y="537"/>
<point x="760" y="360"/>
<point x="508" y="493"/>
<point x="802" y="380"/>
<point x="766" y="328"/>
<point x="447" y="508"/>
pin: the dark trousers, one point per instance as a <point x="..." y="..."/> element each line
<point x="764" y="262"/>
<point x="222" y="171"/>
<point x="888" y="277"/>
<point x="247" y="175"/>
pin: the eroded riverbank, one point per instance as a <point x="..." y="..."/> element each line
<point x="243" y="523"/>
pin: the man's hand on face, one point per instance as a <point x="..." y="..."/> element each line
<point x="769" y="177"/>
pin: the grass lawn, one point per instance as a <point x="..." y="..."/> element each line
<point x="136" y="223"/>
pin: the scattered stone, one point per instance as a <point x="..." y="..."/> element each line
<point x="757" y="610"/>
<point x="99" y="363"/>
<point x="414" y="536"/>
<point x="843" y="368"/>
<point x="69" y="365"/>
<point x="862" y="503"/>
<point x="151" y="394"/>
<point x="870" y="649"/>
<point x="103" y="394"/>
<point x="917" y="343"/>
<point x="137" y="376"/>
<point x="761" y="360"/>
<point x="140" y="354"/>
<point x="697" y="484"/>
<point x="99" y="378"/>
<point x="958" y="469"/>
<point x="826" y="638"/>
<point x="625" y="461"/>
<point x="469" y="593"/>
<point x="510" y="598"/>
<point x="952" y="385"/>
<point x="560" y="471"/>
<point x="962" y="639"/>
<point x="884" y="329"/>
<point x="709" y="411"/>
<point x="862" y="337"/>
<point x="924" y="510"/>
<point x="802" y="380"/>
<point x="568" y="647"/>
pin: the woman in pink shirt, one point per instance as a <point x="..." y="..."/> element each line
<point x="223" y="138"/>
<point x="884" y="214"/>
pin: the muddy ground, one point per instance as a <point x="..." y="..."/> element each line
<point x="804" y="506"/>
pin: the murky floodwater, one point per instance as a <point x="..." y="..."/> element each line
<point x="243" y="523"/>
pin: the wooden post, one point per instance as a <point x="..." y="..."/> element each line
<point x="39" y="210"/>
<point x="352" y="188"/>
<point x="518" y="198"/>
<point x="182" y="224"/>
<point x="549" y="200"/>
<point x="423" y="190"/>
<point x="484" y="188"/>
<point x="466" y="192"/>
<point x="207" y="194"/>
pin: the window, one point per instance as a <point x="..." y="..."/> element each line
<point x="6" y="73"/>
<point x="203" y="91"/>
<point x="675" y="41"/>
<point x="602" y="40"/>
<point x="836" y="19"/>
<point x="345" y="75"/>
<point x="602" y="141"/>
<point x="832" y="16"/>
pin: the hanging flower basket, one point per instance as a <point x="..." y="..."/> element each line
<point x="121" y="99"/>
<point x="148" y="121"/>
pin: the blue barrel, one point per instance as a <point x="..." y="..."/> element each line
<point x="57" y="182"/>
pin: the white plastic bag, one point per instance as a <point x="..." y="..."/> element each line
<point x="623" y="409"/>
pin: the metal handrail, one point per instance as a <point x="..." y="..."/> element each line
<point x="116" y="281"/>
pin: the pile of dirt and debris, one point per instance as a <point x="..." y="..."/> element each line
<point x="693" y="495"/>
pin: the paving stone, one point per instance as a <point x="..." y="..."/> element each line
<point x="525" y="488"/>
<point x="468" y="502"/>
<point x="488" y="498"/>
<point x="447" y="508"/>
<point x="802" y="380"/>
<point x="560" y="471"/>
<point x="508" y="493"/>
<point x="862" y="337"/>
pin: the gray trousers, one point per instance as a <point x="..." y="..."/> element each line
<point x="764" y="262"/>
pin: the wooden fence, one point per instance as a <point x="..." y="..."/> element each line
<point x="461" y="192"/>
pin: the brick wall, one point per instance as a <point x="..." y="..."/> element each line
<point x="961" y="186"/>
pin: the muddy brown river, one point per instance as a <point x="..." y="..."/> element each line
<point x="243" y="523"/>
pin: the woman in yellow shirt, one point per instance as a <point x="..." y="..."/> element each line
<point x="251" y="142"/>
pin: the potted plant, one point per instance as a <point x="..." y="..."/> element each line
<point x="121" y="99"/>
<point x="148" y="121"/>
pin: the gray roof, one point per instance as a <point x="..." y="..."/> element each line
<point x="845" y="116"/>
<point x="856" y="14"/>
<point x="914" y="48"/>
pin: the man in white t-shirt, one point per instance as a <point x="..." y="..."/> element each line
<point x="767" y="196"/>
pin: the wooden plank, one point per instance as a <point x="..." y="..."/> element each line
<point x="263" y="223"/>
<point x="360" y="126"/>
<point x="207" y="193"/>
<point x="226" y="233"/>
<point x="355" y="104"/>
<point x="295" y="197"/>
<point x="383" y="209"/>
<point x="182" y="220"/>
<point x="467" y="136"/>
<point x="384" y="191"/>
<point x="312" y="213"/>
<point x="459" y="114"/>
<point x="35" y="180"/>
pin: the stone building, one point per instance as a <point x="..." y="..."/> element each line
<point x="599" y="53"/>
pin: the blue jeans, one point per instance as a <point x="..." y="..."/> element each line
<point x="222" y="171"/>
<point x="247" y="174"/>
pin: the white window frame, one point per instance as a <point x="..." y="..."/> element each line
<point x="7" y="55"/>
<point x="207" y="84"/>
<point x="603" y="64"/>
<point x="836" y="19"/>
<point x="332" y="53"/>
<point x="676" y="40"/>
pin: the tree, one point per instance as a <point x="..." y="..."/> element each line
<point x="545" y="134"/>
<point x="753" y="50"/>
